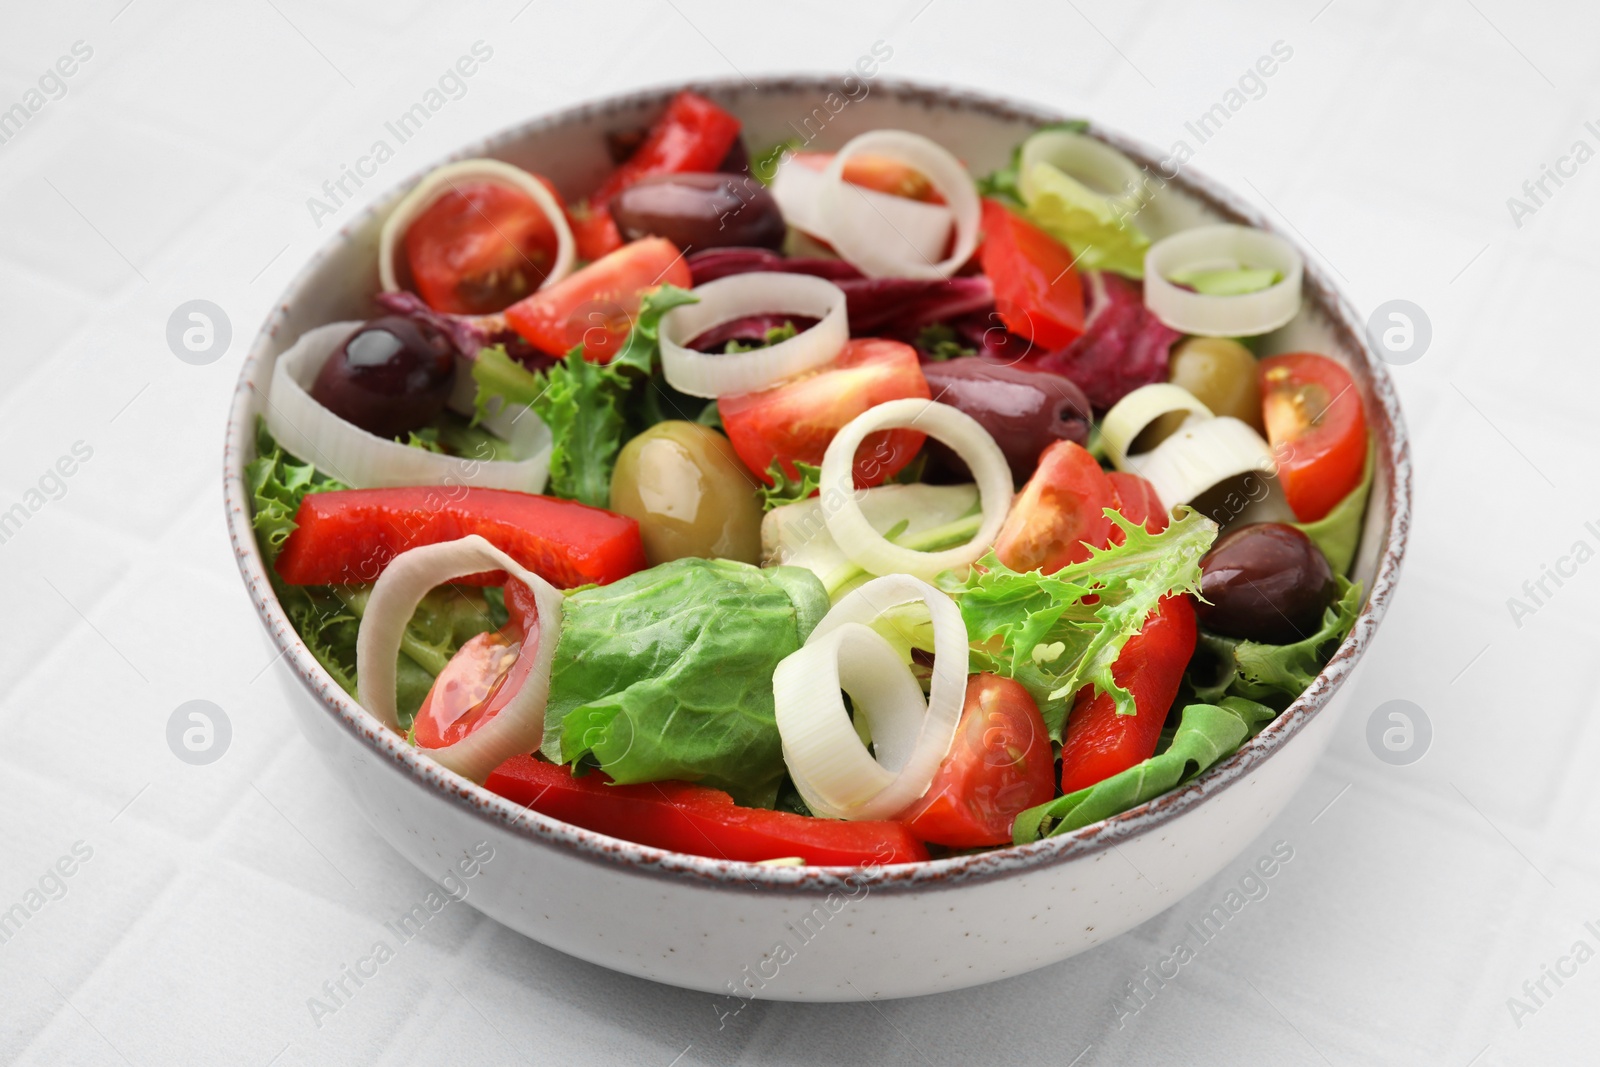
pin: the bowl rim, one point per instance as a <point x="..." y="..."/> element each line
<point x="628" y="857"/>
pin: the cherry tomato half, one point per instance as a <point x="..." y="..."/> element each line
<point x="1037" y="293"/>
<point x="999" y="764"/>
<point x="1135" y="500"/>
<point x="1317" y="428"/>
<point x="595" y="307"/>
<point x="876" y="173"/>
<point x="480" y="248"/>
<point x="483" y="675"/>
<point x="794" y="420"/>
<point x="1060" y="513"/>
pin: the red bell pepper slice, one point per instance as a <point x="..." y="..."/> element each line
<point x="1037" y="293"/>
<point x="693" y="135"/>
<point x="350" y="535"/>
<point x="1098" y="742"/>
<point x="698" y="820"/>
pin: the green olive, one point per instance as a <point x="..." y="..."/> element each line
<point x="1221" y="374"/>
<point x="690" y="494"/>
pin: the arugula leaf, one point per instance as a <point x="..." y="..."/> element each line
<point x="786" y="489"/>
<point x="774" y="334"/>
<point x="667" y="674"/>
<point x="1277" y="674"/>
<point x="1002" y="184"/>
<point x="1037" y="628"/>
<point x="582" y="402"/>
<point x="938" y="342"/>
<point x="1206" y="734"/>
<point x="1339" y="531"/>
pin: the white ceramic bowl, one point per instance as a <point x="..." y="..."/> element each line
<point x="815" y="933"/>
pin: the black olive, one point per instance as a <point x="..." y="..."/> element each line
<point x="1265" y="582"/>
<point x="1023" y="411"/>
<point x="696" y="211"/>
<point x="390" y="377"/>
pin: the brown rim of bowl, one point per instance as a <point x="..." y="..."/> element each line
<point x="631" y="858"/>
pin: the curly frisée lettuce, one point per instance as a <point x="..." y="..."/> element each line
<point x="1206" y="734"/>
<point x="328" y="618"/>
<point x="667" y="674"/>
<point x="585" y="404"/>
<point x="1044" y="630"/>
<point x="1273" y="674"/>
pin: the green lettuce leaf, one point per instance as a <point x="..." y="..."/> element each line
<point x="1338" y="533"/>
<point x="1273" y="674"/>
<point x="938" y="342"/>
<point x="1099" y="234"/>
<point x="667" y="674"/>
<point x="1002" y="184"/>
<point x="787" y="490"/>
<point x="586" y="405"/>
<point x="774" y="334"/>
<point x="278" y="482"/>
<point x="1037" y="628"/>
<point x="1230" y="281"/>
<point x="1206" y="734"/>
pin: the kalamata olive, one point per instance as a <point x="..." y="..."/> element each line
<point x="1221" y="374"/>
<point x="1023" y="410"/>
<point x="1265" y="582"/>
<point x="389" y="377"/>
<point x="684" y="484"/>
<point x="696" y="211"/>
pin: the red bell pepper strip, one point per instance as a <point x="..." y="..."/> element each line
<point x="693" y="135"/>
<point x="698" y="820"/>
<point x="1037" y="293"/>
<point x="350" y="535"/>
<point x="1098" y="742"/>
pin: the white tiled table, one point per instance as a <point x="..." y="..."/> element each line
<point x="217" y="899"/>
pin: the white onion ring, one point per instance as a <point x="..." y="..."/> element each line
<point x="710" y="374"/>
<point x="364" y="460"/>
<point x="964" y="435"/>
<point x="517" y="727"/>
<point x="1129" y="416"/>
<point x="1093" y="164"/>
<point x="923" y="227"/>
<point x="1222" y="246"/>
<point x="831" y="768"/>
<point x="437" y="182"/>
<point x="1200" y="455"/>
<point x="861" y="235"/>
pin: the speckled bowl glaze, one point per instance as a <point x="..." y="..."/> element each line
<point x="814" y="933"/>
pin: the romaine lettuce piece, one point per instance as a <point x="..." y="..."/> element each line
<point x="1099" y="234"/>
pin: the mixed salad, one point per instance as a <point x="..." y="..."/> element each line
<point x="825" y="508"/>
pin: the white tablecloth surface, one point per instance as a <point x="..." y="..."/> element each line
<point x="207" y="903"/>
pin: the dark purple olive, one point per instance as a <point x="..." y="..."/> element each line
<point x="696" y="211"/>
<point x="389" y="377"/>
<point x="1023" y="410"/>
<point x="1265" y="582"/>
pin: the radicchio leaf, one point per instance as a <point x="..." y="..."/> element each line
<point x="1123" y="345"/>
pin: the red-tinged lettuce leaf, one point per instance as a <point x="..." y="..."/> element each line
<point x="469" y="334"/>
<point x="1123" y="345"/>
<point x="878" y="307"/>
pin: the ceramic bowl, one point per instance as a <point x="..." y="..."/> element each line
<point x="814" y="933"/>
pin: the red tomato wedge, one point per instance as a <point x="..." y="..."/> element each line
<point x="483" y="675"/>
<point x="794" y="420"/>
<point x="1135" y="500"/>
<point x="877" y="173"/>
<point x="692" y="135"/>
<point x="480" y="248"/>
<point x="698" y="820"/>
<point x="594" y="232"/>
<point x="1059" y="514"/>
<point x="1037" y="292"/>
<point x="350" y="535"/>
<point x="1318" y="430"/>
<point x="999" y="764"/>
<point x="1098" y="742"/>
<point x="595" y="306"/>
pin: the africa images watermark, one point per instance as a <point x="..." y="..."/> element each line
<point x="340" y="990"/>
<point x="50" y="887"/>
<point x="51" y="485"/>
<point x="1139" y="992"/>
<point x="50" y="86"/>
<point x="1537" y="592"/>
<point x="1536" y="191"/>
<point x="450" y="86"/>
<point x="1537" y="992"/>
